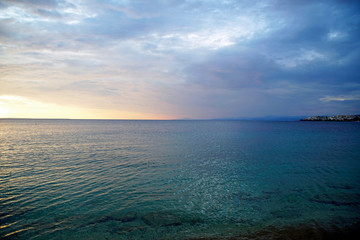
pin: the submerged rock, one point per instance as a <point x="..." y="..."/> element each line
<point x="117" y="216"/>
<point x="128" y="229"/>
<point x="157" y="219"/>
<point x="124" y="217"/>
<point x="298" y="232"/>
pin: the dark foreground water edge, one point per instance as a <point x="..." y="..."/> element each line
<point x="75" y="179"/>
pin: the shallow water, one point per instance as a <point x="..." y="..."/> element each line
<point x="93" y="179"/>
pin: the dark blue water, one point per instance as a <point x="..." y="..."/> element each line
<point x="92" y="179"/>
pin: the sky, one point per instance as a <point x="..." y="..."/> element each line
<point x="177" y="59"/>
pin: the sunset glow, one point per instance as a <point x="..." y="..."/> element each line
<point x="19" y="107"/>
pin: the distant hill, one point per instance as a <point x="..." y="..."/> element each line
<point x="338" y="118"/>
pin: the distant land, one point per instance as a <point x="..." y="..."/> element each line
<point x="337" y="118"/>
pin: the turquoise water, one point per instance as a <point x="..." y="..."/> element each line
<point x="93" y="179"/>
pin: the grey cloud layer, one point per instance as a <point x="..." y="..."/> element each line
<point x="200" y="59"/>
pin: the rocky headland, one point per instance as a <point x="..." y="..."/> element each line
<point x="338" y="118"/>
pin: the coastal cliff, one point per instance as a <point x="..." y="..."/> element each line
<point x="338" y="118"/>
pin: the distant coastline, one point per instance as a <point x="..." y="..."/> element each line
<point x="337" y="118"/>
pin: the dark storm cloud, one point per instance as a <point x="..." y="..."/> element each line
<point x="315" y="53"/>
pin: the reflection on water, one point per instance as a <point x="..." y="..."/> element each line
<point x="87" y="179"/>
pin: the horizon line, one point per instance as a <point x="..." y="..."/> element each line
<point x="271" y="118"/>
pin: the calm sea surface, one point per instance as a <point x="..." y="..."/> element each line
<point x="94" y="179"/>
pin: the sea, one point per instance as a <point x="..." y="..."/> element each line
<point x="133" y="179"/>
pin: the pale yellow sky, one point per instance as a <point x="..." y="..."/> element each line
<point x="20" y="107"/>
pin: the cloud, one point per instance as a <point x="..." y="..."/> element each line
<point x="300" y="58"/>
<point x="43" y="12"/>
<point x="232" y="69"/>
<point x="183" y="58"/>
<point x="36" y="3"/>
<point x="340" y="98"/>
<point x="47" y="9"/>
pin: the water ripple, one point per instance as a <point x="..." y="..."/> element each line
<point x="131" y="180"/>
